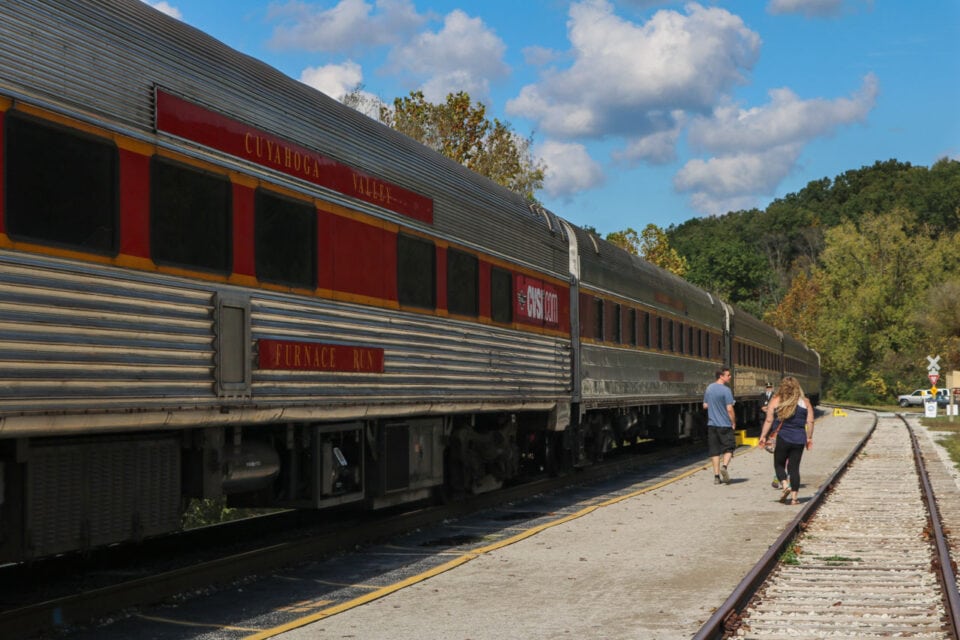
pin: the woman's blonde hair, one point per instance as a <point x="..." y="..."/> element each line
<point x="789" y="394"/>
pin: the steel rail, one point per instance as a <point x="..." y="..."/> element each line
<point x="943" y="561"/>
<point x="727" y="617"/>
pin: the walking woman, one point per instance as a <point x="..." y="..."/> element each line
<point x="793" y="415"/>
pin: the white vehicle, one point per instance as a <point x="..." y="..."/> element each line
<point x="920" y="396"/>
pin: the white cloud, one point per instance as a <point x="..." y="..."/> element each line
<point x="463" y="55"/>
<point x="757" y="148"/>
<point x="351" y="25"/>
<point x="570" y="169"/>
<point x="623" y="71"/>
<point x="166" y="8"/>
<point x="657" y="148"/>
<point x="335" y="80"/>
<point x="813" y="8"/>
<point x="785" y="119"/>
<point x="738" y="174"/>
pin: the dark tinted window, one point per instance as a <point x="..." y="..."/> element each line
<point x="189" y="217"/>
<point x="632" y="327"/>
<point x="416" y="272"/>
<point x="61" y="186"/>
<point x="501" y="295"/>
<point x="285" y="233"/>
<point x="463" y="277"/>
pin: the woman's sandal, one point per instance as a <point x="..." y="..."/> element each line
<point x="785" y="495"/>
<point x="794" y="502"/>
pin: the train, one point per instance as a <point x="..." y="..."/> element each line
<point x="219" y="283"/>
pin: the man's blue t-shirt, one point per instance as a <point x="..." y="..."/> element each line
<point x="717" y="397"/>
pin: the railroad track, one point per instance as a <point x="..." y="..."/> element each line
<point x="870" y="561"/>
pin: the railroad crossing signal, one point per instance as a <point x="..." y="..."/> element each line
<point x="933" y="372"/>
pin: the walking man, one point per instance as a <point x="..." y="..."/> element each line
<point x="721" y="422"/>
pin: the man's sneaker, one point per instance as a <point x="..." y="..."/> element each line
<point x="724" y="475"/>
<point x="716" y="479"/>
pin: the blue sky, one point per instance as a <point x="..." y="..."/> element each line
<point x="644" y="112"/>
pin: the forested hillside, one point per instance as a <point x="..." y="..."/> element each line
<point x="864" y="267"/>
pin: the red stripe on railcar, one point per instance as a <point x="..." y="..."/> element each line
<point x="363" y="258"/>
<point x="134" y="204"/>
<point x="193" y="122"/>
<point x="243" y="230"/>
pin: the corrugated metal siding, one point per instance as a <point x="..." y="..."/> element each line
<point x="95" y="338"/>
<point x="426" y="359"/>
<point x="106" y="56"/>
<point x="74" y="337"/>
<point x="632" y="377"/>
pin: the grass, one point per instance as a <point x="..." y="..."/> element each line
<point x="791" y="555"/>
<point x="948" y="428"/>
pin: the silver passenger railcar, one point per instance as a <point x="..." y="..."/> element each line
<point x="216" y="281"/>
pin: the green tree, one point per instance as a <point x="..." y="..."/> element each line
<point x="722" y="256"/>
<point x="798" y="310"/>
<point x="460" y="130"/>
<point x="871" y="276"/>
<point x="655" y="247"/>
<point x="628" y="240"/>
<point x="939" y="319"/>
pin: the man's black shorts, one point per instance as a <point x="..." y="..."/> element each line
<point x="720" y="440"/>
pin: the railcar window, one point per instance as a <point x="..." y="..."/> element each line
<point x="632" y="327"/>
<point x="598" y="304"/>
<point x="661" y="324"/>
<point x="501" y="295"/>
<point x="416" y="272"/>
<point x="285" y="240"/>
<point x="463" y="277"/>
<point x="61" y="186"/>
<point x="189" y="217"/>
<point x="645" y="329"/>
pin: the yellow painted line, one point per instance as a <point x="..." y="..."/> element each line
<point x="305" y="605"/>
<point x="345" y="585"/>
<point x="186" y="623"/>
<point x="458" y="561"/>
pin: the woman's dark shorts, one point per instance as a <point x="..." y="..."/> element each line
<point x="720" y="440"/>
